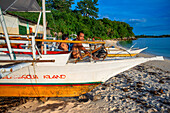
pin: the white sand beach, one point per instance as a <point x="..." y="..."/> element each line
<point x="144" y="88"/>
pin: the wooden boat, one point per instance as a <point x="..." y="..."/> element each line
<point x="55" y="79"/>
<point x="117" y="52"/>
<point x="58" y="78"/>
<point x="114" y="50"/>
<point x="51" y="75"/>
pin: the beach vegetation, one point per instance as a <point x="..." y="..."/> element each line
<point x="66" y="20"/>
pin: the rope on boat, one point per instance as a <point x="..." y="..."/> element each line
<point x="35" y="79"/>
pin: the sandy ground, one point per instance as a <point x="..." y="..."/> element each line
<point x="142" y="89"/>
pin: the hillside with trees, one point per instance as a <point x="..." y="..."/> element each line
<point x="83" y="18"/>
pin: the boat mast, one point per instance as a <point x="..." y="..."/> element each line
<point x="44" y="25"/>
<point x="6" y="34"/>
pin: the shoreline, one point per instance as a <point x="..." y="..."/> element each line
<point x="152" y="55"/>
<point x="151" y="36"/>
<point x="154" y="47"/>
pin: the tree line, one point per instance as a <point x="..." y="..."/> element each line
<point x="83" y="18"/>
<point x="152" y="36"/>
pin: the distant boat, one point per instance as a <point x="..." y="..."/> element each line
<point x="114" y="50"/>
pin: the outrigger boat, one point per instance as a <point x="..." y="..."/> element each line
<point x="117" y="52"/>
<point x="51" y="75"/>
<point x="114" y="50"/>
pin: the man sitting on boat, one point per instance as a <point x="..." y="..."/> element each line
<point x="78" y="47"/>
<point x="62" y="45"/>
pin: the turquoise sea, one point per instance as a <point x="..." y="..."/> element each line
<point x="156" y="46"/>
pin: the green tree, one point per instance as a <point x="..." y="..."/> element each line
<point x="39" y="2"/>
<point x="61" y="5"/>
<point x="88" y="8"/>
<point x="63" y="19"/>
<point x="122" y="31"/>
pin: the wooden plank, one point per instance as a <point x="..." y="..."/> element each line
<point x="2" y="41"/>
<point x="66" y="41"/>
<point x="19" y="61"/>
<point x="16" y="50"/>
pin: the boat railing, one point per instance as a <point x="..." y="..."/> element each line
<point x="17" y="40"/>
<point x="30" y="41"/>
<point x="22" y="40"/>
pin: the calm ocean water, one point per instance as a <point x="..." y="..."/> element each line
<point x="156" y="46"/>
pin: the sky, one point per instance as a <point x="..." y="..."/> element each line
<point x="147" y="17"/>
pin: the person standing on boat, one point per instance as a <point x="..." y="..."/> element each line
<point x="63" y="45"/>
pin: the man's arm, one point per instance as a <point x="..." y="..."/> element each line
<point x="80" y="46"/>
<point x="87" y="52"/>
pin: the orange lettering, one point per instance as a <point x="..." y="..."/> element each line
<point x="7" y="77"/>
<point x="28" y="77"/>
<point x="47" y="76"/>
<point x="52" y="77"/>
<point x="35" y="76"/>
<point x="62" y="76"/>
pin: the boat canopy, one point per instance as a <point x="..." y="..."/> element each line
<point x="20" y="5"/>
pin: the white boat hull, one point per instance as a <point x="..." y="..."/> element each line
<point x="64" y="81"/>
<point x="114" y="52"/>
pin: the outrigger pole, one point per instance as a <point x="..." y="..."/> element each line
<point x="33" y="37"/>
<point x="37" y="27"/>
<point x="6" y="34"/>
<point x="65" y="41"/>
<point x="44" y="25"/>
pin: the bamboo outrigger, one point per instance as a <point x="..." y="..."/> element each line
<point x="117" y="51"/>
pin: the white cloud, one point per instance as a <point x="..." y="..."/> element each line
<point x="105" y="16"/>
<point x="137" y="20"/>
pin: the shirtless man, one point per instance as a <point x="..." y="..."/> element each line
<point x="77" y="47"/>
